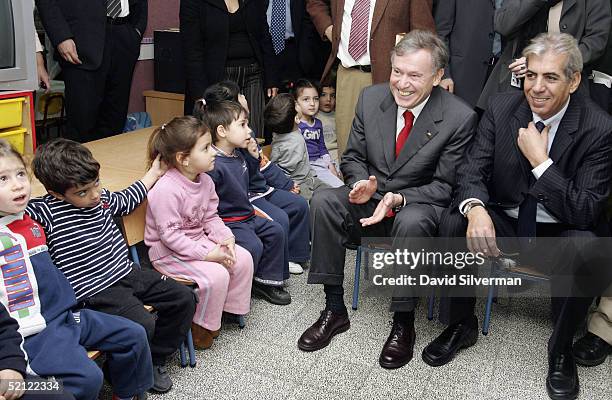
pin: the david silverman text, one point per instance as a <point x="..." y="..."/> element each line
<point x="455" y="280"/>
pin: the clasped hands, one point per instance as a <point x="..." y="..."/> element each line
<point x="223" y="253"/>
<point x="363" y="191"/>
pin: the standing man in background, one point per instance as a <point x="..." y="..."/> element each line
<point x="97" y="43"/>
<point x="362" y="34"/>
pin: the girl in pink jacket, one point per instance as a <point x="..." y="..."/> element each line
<point x="187" y="239"/>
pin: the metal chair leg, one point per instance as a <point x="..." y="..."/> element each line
<point x="134" y="255"/>
<point x="430" y="305"/>
<point x="183" y="355"/>
<point x="191" y="349"/>
<point x="357" y="276"/>
<point x="241" y="323"/>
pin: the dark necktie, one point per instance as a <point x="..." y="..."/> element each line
<point x="403" y="135"/>
<point x="277" y="25"/>
<point x="113" y="8"/>
<point x="528" y="210"/>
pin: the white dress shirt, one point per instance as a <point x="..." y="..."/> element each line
<point x="345" y="58"/>
<point x="542" y="216"/>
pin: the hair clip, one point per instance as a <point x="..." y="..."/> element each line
<point x="163" y="127"/>
<point x="203" y="102"/>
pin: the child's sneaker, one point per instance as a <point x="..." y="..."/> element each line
<point x="295" y="268"/>
<point x="161" y="379"/>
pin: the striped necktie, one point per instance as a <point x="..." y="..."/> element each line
<point x="113" y="8"/>
<point x="358" y="37"/>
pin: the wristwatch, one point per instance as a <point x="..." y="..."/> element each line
<point x="468" y="207"/>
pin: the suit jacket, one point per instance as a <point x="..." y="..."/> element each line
<point x="424" y="172"/>
<point x="390" y="18"/>
<point x="586" y="20"/>
<point x="85" y="23"/>
<point x="574" y="188"/>
<point x="467" y="28"/>
<point x="204" y="28"/>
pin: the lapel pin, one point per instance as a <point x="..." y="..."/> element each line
<point x="428" y="134"/>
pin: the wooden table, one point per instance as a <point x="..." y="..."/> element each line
<point x="122" y="161"/>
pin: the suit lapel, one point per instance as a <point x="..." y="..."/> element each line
<point x="521" y="119"/>
<point x="423" y="130"/>
<point x="379" y="9"/>
<point x="567" y="4"/>
<point x="567" y="128"/>
<point x="386" y="124"/>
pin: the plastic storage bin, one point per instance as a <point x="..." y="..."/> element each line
<point x="10" y="112"/>
<point x="16" y="137"/>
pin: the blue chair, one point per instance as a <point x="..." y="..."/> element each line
<point x="511" y="269"/>
<point x="366" y="250"/>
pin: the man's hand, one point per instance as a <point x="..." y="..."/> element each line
<point x="273" y="91"/>
<point x="68" y="51"/>
<point x="388" y="202"/>
<point x="7" y="375"/>
<point x="158" y="168"/>
<point x="519" y="67"/>
<point x="328" y="32"/>
<point x="253" y="149"/>
<point x="296" y="189"/>
<point x="480" y="233"/>
<point x="533" y="144"/>
<point x="448" y="84"/>
<point x="43" y="75"/>
<point x="363" y="191"/>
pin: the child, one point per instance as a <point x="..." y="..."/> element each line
<point x="271" y="193"/>
<point x="87" y="246"/>
<point x="36" y="294"/>
<point x="288" y="146"/>
<point x="307" y="99"/>
<point x="264" y="239"/>
<point x="187" y="238"/>
<point x="327" y="115"/>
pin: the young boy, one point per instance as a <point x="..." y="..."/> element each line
<point x="263" y="238"/>
<point x="288" y="146"/>
<point x="327" y="115"/>
<point x="87" y="246"/>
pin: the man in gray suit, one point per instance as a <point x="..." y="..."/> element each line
<point x="407" y="138"/>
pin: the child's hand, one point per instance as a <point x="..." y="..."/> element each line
<point x="230" y="244"/>
<point x="296" y="189"/>
<point x="333" y="170"/>
<point x="7" y="393"/>
<point x="220" y="254"/>
<point x="253" y="149"/>
<point x="158" y="168"/>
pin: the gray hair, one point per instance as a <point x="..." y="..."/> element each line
<point x="417" y="40"/>
<point x="557" y="43"/>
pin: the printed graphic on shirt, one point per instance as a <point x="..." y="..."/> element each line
<point x="311" y="134"/>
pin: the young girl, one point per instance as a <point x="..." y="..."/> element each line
<point x="307" y="99"/>
<point x="187" y="238"/>
<point x="263" y="238"/>
<point x="39" y="299"/>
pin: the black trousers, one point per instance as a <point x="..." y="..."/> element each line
<point x="335" y="225"/>
<point x="97" y="100"/>
<point x="602" y="95"/>
<point x="174" y="306"/>
<point x="568" y="312"/>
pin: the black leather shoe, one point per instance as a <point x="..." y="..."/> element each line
<point x="398" y="348"/>
<point x="591" y="350"/>
<point x="454" y="338"/>
<point x="562" y="380"/>
<point x="272" y="294"/>
<point x="321" y="332"/>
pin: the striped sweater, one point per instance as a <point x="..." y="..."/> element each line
<point x="85" y="243"/>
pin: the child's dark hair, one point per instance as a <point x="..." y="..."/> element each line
<point x="279" y="114"/>
<point x="177" y="136"/>
<point x="62" y="164"/>
<point x="218" y="92"/>
<point x="302" y="84"/>
<point x="220" y="113"/>
<point x="7" y="150"/>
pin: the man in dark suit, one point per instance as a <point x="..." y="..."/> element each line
<point x="301" y="52"/>
<point x="97" y="44"/>
<point x="467" y="28"/>
<point x="518" y="183"/>
<point x="406" y="139"/>
<point x="363" y="53"/>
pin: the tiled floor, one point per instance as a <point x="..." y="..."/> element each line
<point x="262" y="361"/>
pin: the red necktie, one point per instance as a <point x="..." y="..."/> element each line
<point x="358" y="37"/>
<point x="403" y="135"/>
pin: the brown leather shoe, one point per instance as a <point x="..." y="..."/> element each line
<point x="398" y="348"/>
<point x="202" y="337"/>
<point x="321" y="332"/>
